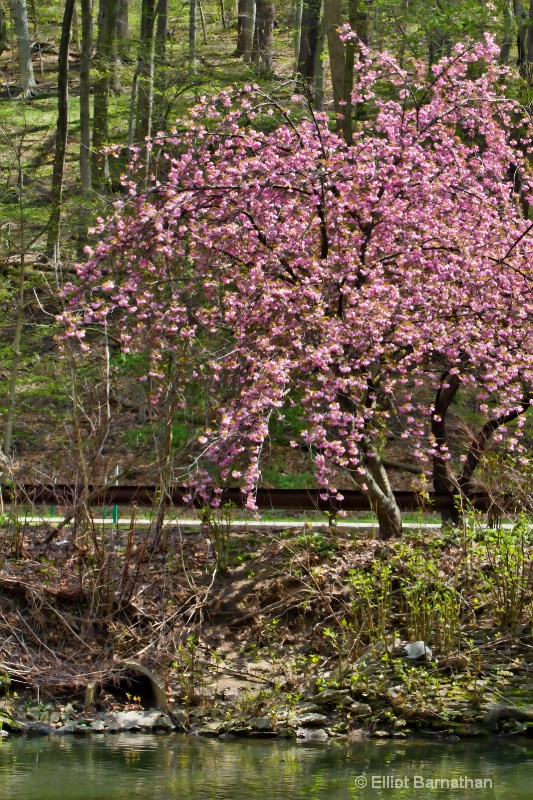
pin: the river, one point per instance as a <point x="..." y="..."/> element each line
<point x="132" y="766"/>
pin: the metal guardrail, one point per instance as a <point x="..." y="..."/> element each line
<point x="273" y="499"/>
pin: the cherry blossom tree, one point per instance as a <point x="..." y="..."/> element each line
<point x="367" y="282"/>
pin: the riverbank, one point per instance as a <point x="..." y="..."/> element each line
<point x="286" y="633"/>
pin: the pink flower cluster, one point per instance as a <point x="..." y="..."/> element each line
<point x="286" y="265"/>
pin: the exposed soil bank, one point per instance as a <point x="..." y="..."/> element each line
<point x="286" y="633"/>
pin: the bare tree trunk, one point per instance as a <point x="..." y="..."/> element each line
<point x="263" y="44"/>
<point x="192" y="36"/>
<point x="358" y="19"/>
<point x="85" y="94"/>
<point x="297" y="23"/>
<point x="508" y="32"/>
<point x="307" y="54"/>
<point x="439" y="42"/>
<point x="223" y="16"/>
<point x="76" y="29"/>
<point x="4" y="42"/>
<point x="145" y="84"/>
<point x="332" y="15"/>
<point x="241" y="28"/>
<point x="161" y="30"/>
<point x="107" y="26"/>
<point x="319" y="66"/>
<point x="375" y="484"/>
<point x="202" y="20"/>
<point x="12" y="397"/>
<point x="20" y="18"/>
<point x="443" y="479"/>
<point x="52" y="243"/>
<point x="249" y="29"/>
<point x="123" y="26"/>
<point x="160" y="61"/>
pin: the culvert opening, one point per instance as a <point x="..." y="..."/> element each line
<point x="127" y="687"/>
<point x="11" y="687"/>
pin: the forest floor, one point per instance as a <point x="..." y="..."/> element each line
<point x="286" y="632"/>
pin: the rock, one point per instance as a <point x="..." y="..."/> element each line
<point x="12" y="725"/>
<point x="360" y="710"/>
<point x="418" y="649"/>
<point x="34" y="729"/>
<point x="212" y="729"/>
<point x="33" y="713"/>
<point x="81" y="729"/>
<point x="359" y="735"/>
<point x="164" y="723"/>
<point x="3" y="734"/>
<point x="333" y="697"/>
<point x="97" y="726"/>
<point x="317" y="735"/>
<point x="310" y="720"/>
<point x="54" y="718"/>
<point x="379" y="734"/>
<point x="307" y="707"/>
<point x="66" y="729"/>
<point x="137" y="720"/>
<point x="113" y="727"/>
<point x="261" y="724"/>
<point x="180" y="717"/>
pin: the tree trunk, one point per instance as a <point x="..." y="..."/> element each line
<point x="20" y="18"/>
<point x="160" y="62"/>
<point x="249" y="29"/>
<point x="263" y="45"/>
<point x="161" y="30"/>
<point x="85" y="94"/>
<point x="123" y="26"/>
<point x="529" y="53"/>
<point x="307" y="54"/>
<point x="85" y="120"/>
<point x="3" y="31"/>
<point x="332" y="15"/>
<point x="297" y="23"/>
<point x="319" y="66"/>
<point x="358" y="19"/>
<point x="145" y="68"/>
<point x="439" y="42"/>
<point x="241" y="28"/>
<point x="192" y="36"/>
<point x="375" y="484"/>
<point x="443" y="479"/>
<point x="52" y="244"/>
<point x="15" y="364"/>
<point x="107" y="26"/>
<point x="508" y="32"/>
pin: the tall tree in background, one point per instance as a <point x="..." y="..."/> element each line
<point x="192" y="36"/>
<point x="19" y="14"/>
<point x="52" y="244"/>
<point x="107" y="27"/>
<point x="358" y="20"/>
<point x="241" y="28"/>
<point x="85" y="97"/>
<point x="332" y="16"/>
<point x="309" y="39"/>
<point x="3" y="31"/>
<point x="145" y="68"/>
<point x="263" y="43"/>
<point x="249" y="29"/>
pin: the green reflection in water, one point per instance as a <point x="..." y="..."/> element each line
<point x="127" y="767"/>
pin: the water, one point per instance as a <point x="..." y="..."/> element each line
<point x="127" y="767"/>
